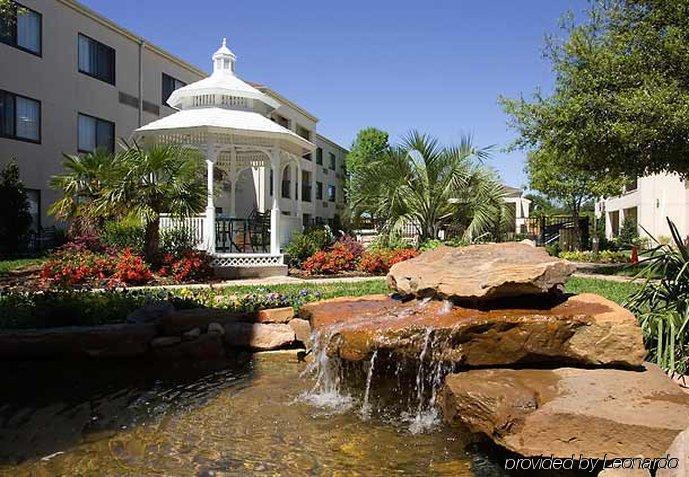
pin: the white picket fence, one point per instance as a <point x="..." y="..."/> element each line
<point x="193" y="225"/>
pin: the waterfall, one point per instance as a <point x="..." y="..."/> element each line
<point x="426" y="416"/>
<point x="366" y="406"/>
<point x="326" y="392"/>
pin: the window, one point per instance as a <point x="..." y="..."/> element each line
<point x="94" y="133"/>
<point x="286" y="182"/>
<point x="21" y="28"/>
<point x="319" y="156"/>
<point x="271" y="182"/>
<point x="303" y="132"/>
<point x="96" y="59"/>
<point x="305" y="186"/>
<point x="331" y="193"/>
<point x="319" y="191"/>
<point x="332" y="161"/>
<point x="170" y="84"/>
<point x="20" y="117"/>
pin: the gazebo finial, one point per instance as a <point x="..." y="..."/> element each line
<point x="224" y="59"/>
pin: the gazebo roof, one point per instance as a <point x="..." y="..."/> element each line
<point x="223" y="81"/>
<point x="227" y="121"/>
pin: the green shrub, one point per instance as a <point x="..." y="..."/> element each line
<point x="304" y="245"/>
<point x="15" y="220"/>
<point x="553" y="249"/>
<point x="629" y="232"/>
<point x="176" y="241"/>
<point x="431" y="244"/>
<point x="125" y="233"/>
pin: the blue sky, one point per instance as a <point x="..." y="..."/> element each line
<point x="436" y="66"/>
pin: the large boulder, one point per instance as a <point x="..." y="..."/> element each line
<point x="480" y="272"/>
<point x="583" y="329"/>
<point x="569" y="411"/>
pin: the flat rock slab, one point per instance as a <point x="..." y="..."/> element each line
<point x="259" y="336"/>
<point x="583" y="329"/>
<point x="104" y="341"/>
<point x="566" y="411"/>
<point x="480" y="272"/>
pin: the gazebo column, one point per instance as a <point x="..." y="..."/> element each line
<point x="234" y="179"/>
<point x="275" y="209"/>
<point x="209" y="223"/>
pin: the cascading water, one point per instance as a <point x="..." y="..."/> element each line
<point x="417" y="397"/>
<point x="326" y="392"/>
<point x="366" y="406"/>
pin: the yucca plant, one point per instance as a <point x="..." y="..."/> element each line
<point x="662" y="303"/>
<point x="420" y="182"/>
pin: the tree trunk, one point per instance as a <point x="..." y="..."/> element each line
<point x="152" y="240"/>
<point x="577" y="233"/>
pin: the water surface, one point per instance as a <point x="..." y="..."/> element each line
<point x="242" y="416"/>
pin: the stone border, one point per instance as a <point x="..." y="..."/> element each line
<point x="196" y="333"/>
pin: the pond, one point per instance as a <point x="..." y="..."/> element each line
<point x="242" y="416"/>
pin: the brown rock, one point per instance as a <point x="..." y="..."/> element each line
<point x="259" y="336"/>
<point x="275" y="315"/>
<point x="104" y="341"/>
<point x="679" y="449"/>
<point x="480" y="272"/>
<point x="585" y="329"/>
<point x="302" y="330"/>
<point x="568" y="411"/>
<point x="181" y="321"/>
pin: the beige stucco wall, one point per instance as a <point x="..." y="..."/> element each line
<point x="54" y="80"/>
<point x="655" y="198"/>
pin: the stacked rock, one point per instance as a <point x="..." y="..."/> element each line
<point x="540" y="372"/>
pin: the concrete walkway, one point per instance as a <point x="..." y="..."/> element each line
<point x="279" y="280"/>
<point x="609" y="278"/>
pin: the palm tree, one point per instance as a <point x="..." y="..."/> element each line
<point x="430" y="186"/>
<point x="79" y="186"/>
<point x="151" y="181"/>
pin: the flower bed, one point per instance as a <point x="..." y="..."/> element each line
<point x="606" y="256"/>
<point x="348" y="257"/>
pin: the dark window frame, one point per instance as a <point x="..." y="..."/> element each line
<point x="114" y="61"/>
<point x="15" y="44"/>
<point x="319" y="156"/>
<point x="319" y="190"/>
<point x="114" y="133"/>
<point x="14" y="119"/>
<point x="333" y="161"/>
<point x="162" y="87"/>
<point x="333" y="197"/>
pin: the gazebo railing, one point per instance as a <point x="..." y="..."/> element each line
<point x="193" y="226"/>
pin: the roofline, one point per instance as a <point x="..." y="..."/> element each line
<point x="78" y="7"/>
<point x="320" y="136"/>
<point x="280" y="98"/>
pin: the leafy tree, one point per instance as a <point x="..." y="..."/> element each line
<point x="431" y="186"/>
<point x="541" y="206"/>
<point x="149" y="182"/>
<point x="15" y="219"/>
<point x="369" y="144"/>
<point x="550" y="174"/>
<point x="629" y="232"/>
<point x="620" y="105"/>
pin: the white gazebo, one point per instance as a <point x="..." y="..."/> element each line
<point x="228" y="120"/>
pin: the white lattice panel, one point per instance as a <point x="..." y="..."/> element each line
<point x="247" y="260"/>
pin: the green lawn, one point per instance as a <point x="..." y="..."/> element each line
<point x="80" y="308"/>
<point x="615" y="291"/>
<point x="7" y="266"/>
